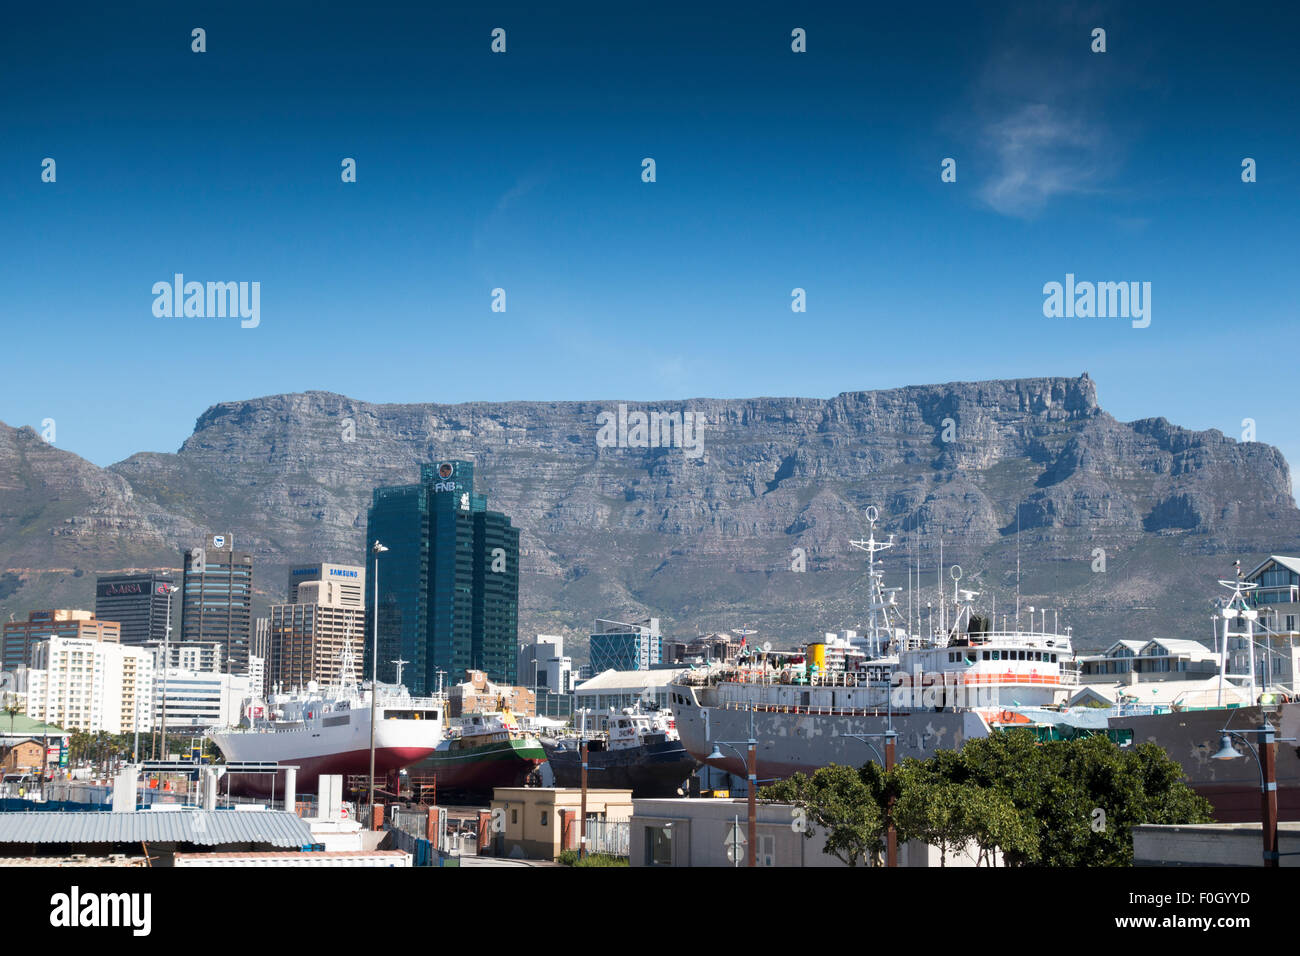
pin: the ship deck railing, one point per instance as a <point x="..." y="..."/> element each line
<point x="1012" y="639"/>
<point x="812" y="709"/>
<point x="846" y="679"/>
<point x="984" y="678"/>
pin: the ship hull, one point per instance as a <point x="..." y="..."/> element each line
<point x="654" y="770"/>
<point x="1232" y="786"/>
<point x="476" y="771"/>
<point x="311" y="769"/>
<point x="339" y="749"/>
<point x="790" y="743"/>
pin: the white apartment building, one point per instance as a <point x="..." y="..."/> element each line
<point x="90" y="686"/>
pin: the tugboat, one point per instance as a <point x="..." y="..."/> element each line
<point x="483" y="752"/>
<point x="641" y="752"/>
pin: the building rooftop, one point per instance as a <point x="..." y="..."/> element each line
<point x="1291" y="564"/>
<point x="199" y="827"/>
<point x="24" y="726"/>
<point x="1197" y="693"/>
<point x="1182" y="647"/>
<point x="623" y="680"/>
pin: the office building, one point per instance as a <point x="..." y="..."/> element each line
<point x="449" y="582"/>
<point x="308" y="635"/>
<point x="19" y="637"/>
<point x="543" y="666"/>
<point x="140" y="603"/>
<point x="262" y="650"/>
<point x="341" y="585"/>
<point x="197" y="700"/>
<point x="626" y="647"/>
<point x="217" y="599"/>
<point x="195" y="656"/>
<point x="709" y="648"/>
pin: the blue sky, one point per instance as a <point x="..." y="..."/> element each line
<point x="775" y="170"/>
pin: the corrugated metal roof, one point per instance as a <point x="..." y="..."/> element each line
<point x="200" y="827"/>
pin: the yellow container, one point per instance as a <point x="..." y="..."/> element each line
<point x="817" y="656"/>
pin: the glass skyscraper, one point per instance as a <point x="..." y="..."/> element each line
<point x="448" y="584"/>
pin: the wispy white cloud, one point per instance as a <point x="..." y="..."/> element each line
<point x="1041" y="152"/>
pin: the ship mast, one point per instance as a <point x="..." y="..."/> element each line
<point x="882" y="598"/>
<point x="1234" y="607"/>
<point x="347" y="670"/>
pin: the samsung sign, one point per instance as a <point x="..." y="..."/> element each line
<point x="341" y="573"/>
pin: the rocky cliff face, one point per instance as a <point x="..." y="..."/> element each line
<point x="707" y="540"/>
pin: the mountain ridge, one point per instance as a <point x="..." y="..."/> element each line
<point x="710" y="542"/>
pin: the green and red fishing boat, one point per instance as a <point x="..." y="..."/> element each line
<point x="484" y="752"/>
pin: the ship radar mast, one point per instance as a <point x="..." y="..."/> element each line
<point x="882" y="598"/>
<point x="347" y="670"/>
<point x="1238" y="606"/>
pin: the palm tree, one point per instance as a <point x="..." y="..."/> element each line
<point x="12" y="707"/>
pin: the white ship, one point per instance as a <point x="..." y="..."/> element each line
<point x="328" y="732"/>
<point x="931" y="692"/>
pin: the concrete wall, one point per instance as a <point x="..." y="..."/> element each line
<point x="1211" y="844"/>
<point x="699" y="829"/>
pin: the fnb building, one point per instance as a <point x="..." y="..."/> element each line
<point x="448" y="584"/>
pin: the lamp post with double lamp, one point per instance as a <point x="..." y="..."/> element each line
<point x="376" y="549"/>
<point x="1266" y="761"/>
<point x="751" y="766"/>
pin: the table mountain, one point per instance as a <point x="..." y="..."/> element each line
<point x="708" y="540"/>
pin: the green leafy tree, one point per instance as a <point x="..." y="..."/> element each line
<point x="931" y="808"/>
<point x="994" y="823"/>
<point x="1081" y="796"/>
<point x="838" y="802"/>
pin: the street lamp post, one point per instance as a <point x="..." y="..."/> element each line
<point x="751" y="767"/>
<point x="582" y="811"/>
<point x="891" y="834"/>
<point x="376" y="549"/>
<point x="1266" y="761"/>
<point x="169" y="590"/>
